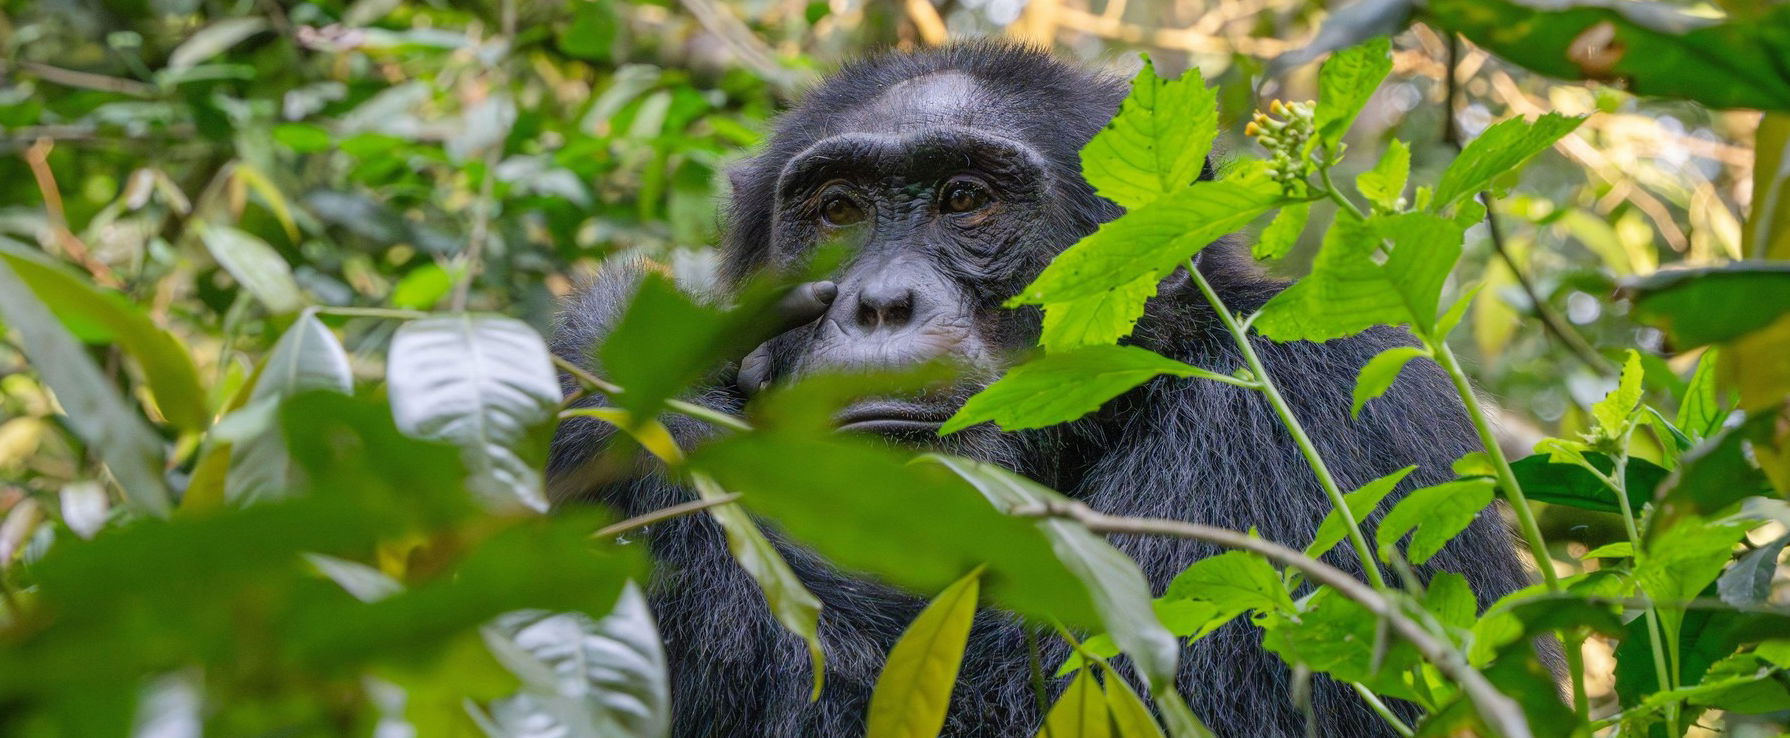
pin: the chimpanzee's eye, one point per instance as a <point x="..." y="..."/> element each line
<point x="840" y="210"/>
<point x="964" y="196"/>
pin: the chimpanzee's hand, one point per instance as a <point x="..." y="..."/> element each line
<point x="803" y="305"/>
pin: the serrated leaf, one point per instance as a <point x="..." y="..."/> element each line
<point x="1098" y="319"/>
<point x="1155" y="239"/>
<point x="1080" y="712"/>
<point x="1282" y="232"/>
<point x="307" y="357"/>
<point x="1378" y="374"/>
<point x="1500" y="150"/>
<point x="1057" y="388"/>
<point x="1235" y="581"/>
<point x="1158" y="141"/>
<point x="1362" y="503"/>
<point x="1349" y="290"/>
<point x="1384" y="184"/>
<point x="1437" y="513"/>
<point x="91" y="405"/>
<point x="257" y="266"/>
<point x="484" y="383"/>
<point x="1337" y="635"/>
<point x="98" y="315"/>
<point x="1614" y="410"/>
<point x="791" y="603"/>
<point x="597" y="677"/>
<point x="914" y="689"/>
<point x="1701" y="412"/>
<point x="1345" y="82"/>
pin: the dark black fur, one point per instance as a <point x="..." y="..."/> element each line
<point x="1187" y="449"/>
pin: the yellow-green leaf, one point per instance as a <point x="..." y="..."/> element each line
<point x="1378" y="374"/>
<point x="914" y="690"/>
<point x="1157" y="143"/>
<point x="1080" y="712"/>
<point x="1131" y="719"/>
<point x="1614" y="410"/>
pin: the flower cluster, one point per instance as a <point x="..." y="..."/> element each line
<point x="1286" y="132"/>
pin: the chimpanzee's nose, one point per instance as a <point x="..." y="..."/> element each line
<point x="885" y="305"/>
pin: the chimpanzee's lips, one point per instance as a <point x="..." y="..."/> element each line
<point x="895" y="418"/>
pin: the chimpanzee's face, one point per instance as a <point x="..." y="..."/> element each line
<point x="946" y="211"/>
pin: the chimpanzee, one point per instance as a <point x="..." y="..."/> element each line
<point x="956" y="171"/>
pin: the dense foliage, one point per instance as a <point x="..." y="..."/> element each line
<point x="278" y="398"/>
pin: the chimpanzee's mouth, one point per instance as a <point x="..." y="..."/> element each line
<point x="893" y="418"/>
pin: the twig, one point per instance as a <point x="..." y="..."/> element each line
<point x="38" y="159"/>
<point x="86" y="80"/>
<point x="665" y="513"/>
<point x="1501" y="713"/>
<point x="481" y="214"/>
<point x="681" y="407"/>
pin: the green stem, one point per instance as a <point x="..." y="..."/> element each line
<point x="1507" y="479"/>
<point x="1373" y="701"/>
<point x="1266" y="386"/>
<point x="370" y="312"/>
<point x="1617" y="481"/>
<point x="1331" y="192"/>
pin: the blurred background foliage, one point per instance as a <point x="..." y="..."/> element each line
<point x="209" y="159"/>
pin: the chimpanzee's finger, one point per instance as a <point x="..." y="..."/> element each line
<point x="804" y="304"/>
<point x="755" y="370"/>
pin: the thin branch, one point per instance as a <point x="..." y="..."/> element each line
<point x="86" y="80"/>
<point x="665" y="513"/>
<point x="1501" y="713"/>
<point x="38" y="159"/>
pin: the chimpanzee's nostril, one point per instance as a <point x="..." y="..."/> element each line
<point x="867" y="317"/>
<point x="885" y="306"/>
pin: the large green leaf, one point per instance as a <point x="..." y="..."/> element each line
<point x="1098" y="319"/>
<point x="914" y="689"/>
<point x="587" y="677"/>
<point x="667" y="340"/>
<point x="1706" y="305"/>
<point x="486" y="384"/>
<point x="1079" y="712"/>
<point x="1437" y="513"/>
<point x="1157" y="143"/>
<point x="257" y="266"/>
<point x="1345" y="82"/>
<point x="1574" y="486"/>
<point x="1652" y="48"/>
<point x="92" y="405"/>
<point x="307" y="357"/>
<point x="919" y="526"/>
<point x="1497" y="152"/>
<point x="103" y="316"/>
<point x="1334" y="634"/>
<point x="1156" y="238"/>
<point x="1057" y="388"/>
<point x="1350" y="290"/>
<point x="1119" y="591"/>
<point x="1236" y="582"/>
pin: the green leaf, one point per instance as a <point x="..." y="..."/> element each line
<point x="1450" y="598"/>
<point x="1345" y="82"/>
<point x="302" y="138"/>
<point x="1131" y="719"/>
<point x="1080" y="712"/>
<point x="1234" y="581"/>
<point x="1115" y="585"/>
<point x="365" y="583"/>
<point x="1698" y="306"/>
<point x="1057" y="388"/>
<point x="1349" y="290"/>
<point x="484" y="383"/>
<point x="422" y="287"/>
<point x="666" y="341"/>
<point x="1716" y="473"/>
<point x="593" y="33"/>
<point x="1767" y="233"/>
<point x="1282" y="232"/>
<point x="585" y="676"/>
<point x="1497" y="152"/>
<point x="1362" y="503"/>
<point x="1748" y="582"/>
<point x="1098" y="319"/>
<point x="865" y="508"/>
<point x="1157" y="144"/>
<point x="1572" y="485"/>
<point x="307" y="357"/>
<point x="1334" y="634"/>
<point x="789" y="599"/>
<point x="1701" y="412"/>
<point x="90" y="404"/>
<point x="1437" y="513"/>
<point x="1653" y="48"/>
<point x="1614" y="410"/>
<point x="1155" y="239"/>
<point x="914" y="689"/>
<point x="99" y="316"/>
<point x="1378" y="374"/>
<point x="212" y="40"/>
<point x="1384" y="185"/>
<point x="256" y="265"/>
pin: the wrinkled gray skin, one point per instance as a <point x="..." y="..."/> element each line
<point x="884" y="150"/>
